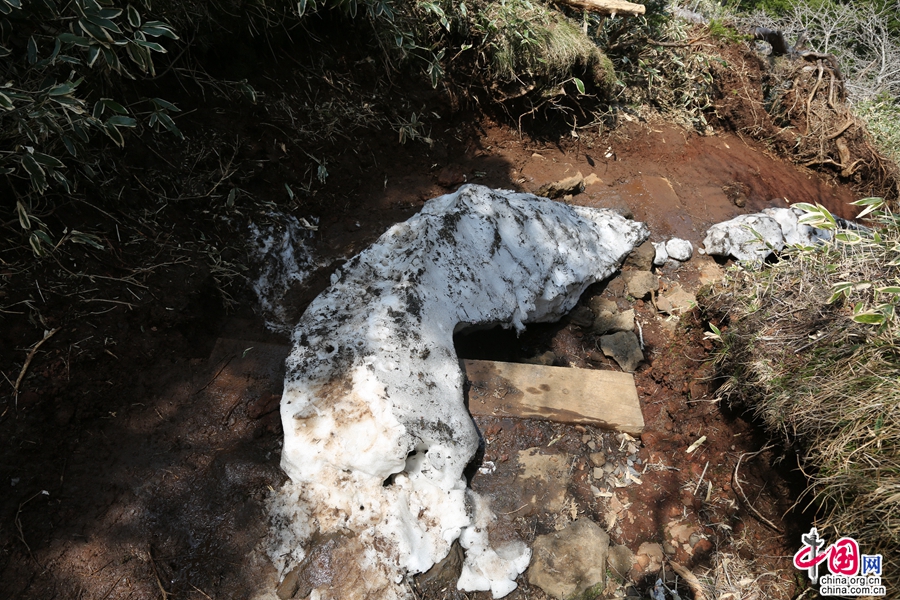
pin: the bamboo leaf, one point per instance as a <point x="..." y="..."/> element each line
<point x="48" y="161"/>
<point x="134" y="17"/>
<point x="35" y="172"/>
<point x="869" y="318"/>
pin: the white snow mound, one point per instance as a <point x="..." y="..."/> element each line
<point x="376" y="431"/>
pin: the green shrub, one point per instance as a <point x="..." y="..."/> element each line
<point x="60" y="64"/>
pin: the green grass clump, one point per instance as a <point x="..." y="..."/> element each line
<point x="530" y="41"/>
<point x="819" y="365"/>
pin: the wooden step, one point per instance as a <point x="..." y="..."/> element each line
<point x="606" y="399"/>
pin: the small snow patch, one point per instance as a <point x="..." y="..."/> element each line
<point x="280" y="248"/>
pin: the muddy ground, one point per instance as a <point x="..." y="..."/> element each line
<point x="138" y="454"/>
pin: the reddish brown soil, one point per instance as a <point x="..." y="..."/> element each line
<point x="133" y="467"/>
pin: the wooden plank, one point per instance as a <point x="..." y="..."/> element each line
<point x="606" y="399"/>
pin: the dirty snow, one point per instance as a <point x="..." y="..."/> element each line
<point x="751" y="238"/>
<point x="376" y="431"/>
<point x="280" y="247"/>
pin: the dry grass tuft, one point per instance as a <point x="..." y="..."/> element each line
<point x="812" y="347"/>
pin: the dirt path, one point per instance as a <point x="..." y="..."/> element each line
<point x="137" y="459"/>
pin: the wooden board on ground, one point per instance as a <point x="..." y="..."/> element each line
<point x="606" y="399"/>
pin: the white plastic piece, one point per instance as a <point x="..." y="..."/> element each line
<point x="376" y="431"/>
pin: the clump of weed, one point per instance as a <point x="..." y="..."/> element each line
<point x="532" y="44"/>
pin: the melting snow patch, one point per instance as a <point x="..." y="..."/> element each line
<point x="376" y="430"/>
<point x="751" y="238"/>
<point x="280" y="248"/>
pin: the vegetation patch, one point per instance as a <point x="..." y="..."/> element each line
<point x="810" y="345"/>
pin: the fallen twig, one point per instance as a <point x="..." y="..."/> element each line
<point x="34" y="349"/>
<point x="676" y="44"/>
<point x="690" y="579"/>
<point x="219" y="372"/>
<point x="737" y="485"/>
<point x="162" y="590"/>
<point x="18" y="522"/>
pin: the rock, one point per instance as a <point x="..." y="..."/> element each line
<point x="592" y="179"/>
<point x="582" y="316"/>
<point x="570" y="185"/>
<point x="599" y="304"/>
<point x="446" y="572"/>
<point x="620" y="560"/>
<point x="641" y="258"/>
<point x="598" y="459"/>
<point x="377" y="434"/>
<point x="676" y="300"/>
<point x="624" y="348"/>
<point x="599" y="473"/>
<point x="451" y="176"/>
<point x="650" y="557"/>
<point x="640" y="283"/>
<point x="679" y="249"/>
<point x="570" y="562"/>
<point x="607" y="322"/>
<point x="616" y="287"/>
<point x="751" y="238"/>
<point x="320" y="569"/>
<point x="547" y="359"/>
<point x="661" y="256"/>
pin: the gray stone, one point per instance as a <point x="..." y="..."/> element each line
<point x="570" y="562"/>
<point x="624" y="348"/>
<point x="446" y="572"/>
<point x="641" y="258"/>
<point x="570" y="185"/>
<point x="611" y="322"/>
<point x="620" y="560"/>
<point x="616" y="287"/>
<point x="599" y="304"/>
<point x="598" y="459"/>
<point x="582" y="316"/>
<point x="599" y="473"/>
<point x="640" y="283"/>
<point x="676" y="300"/>
<point x="661" y="255"/>
<point x="679" y="249"/>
